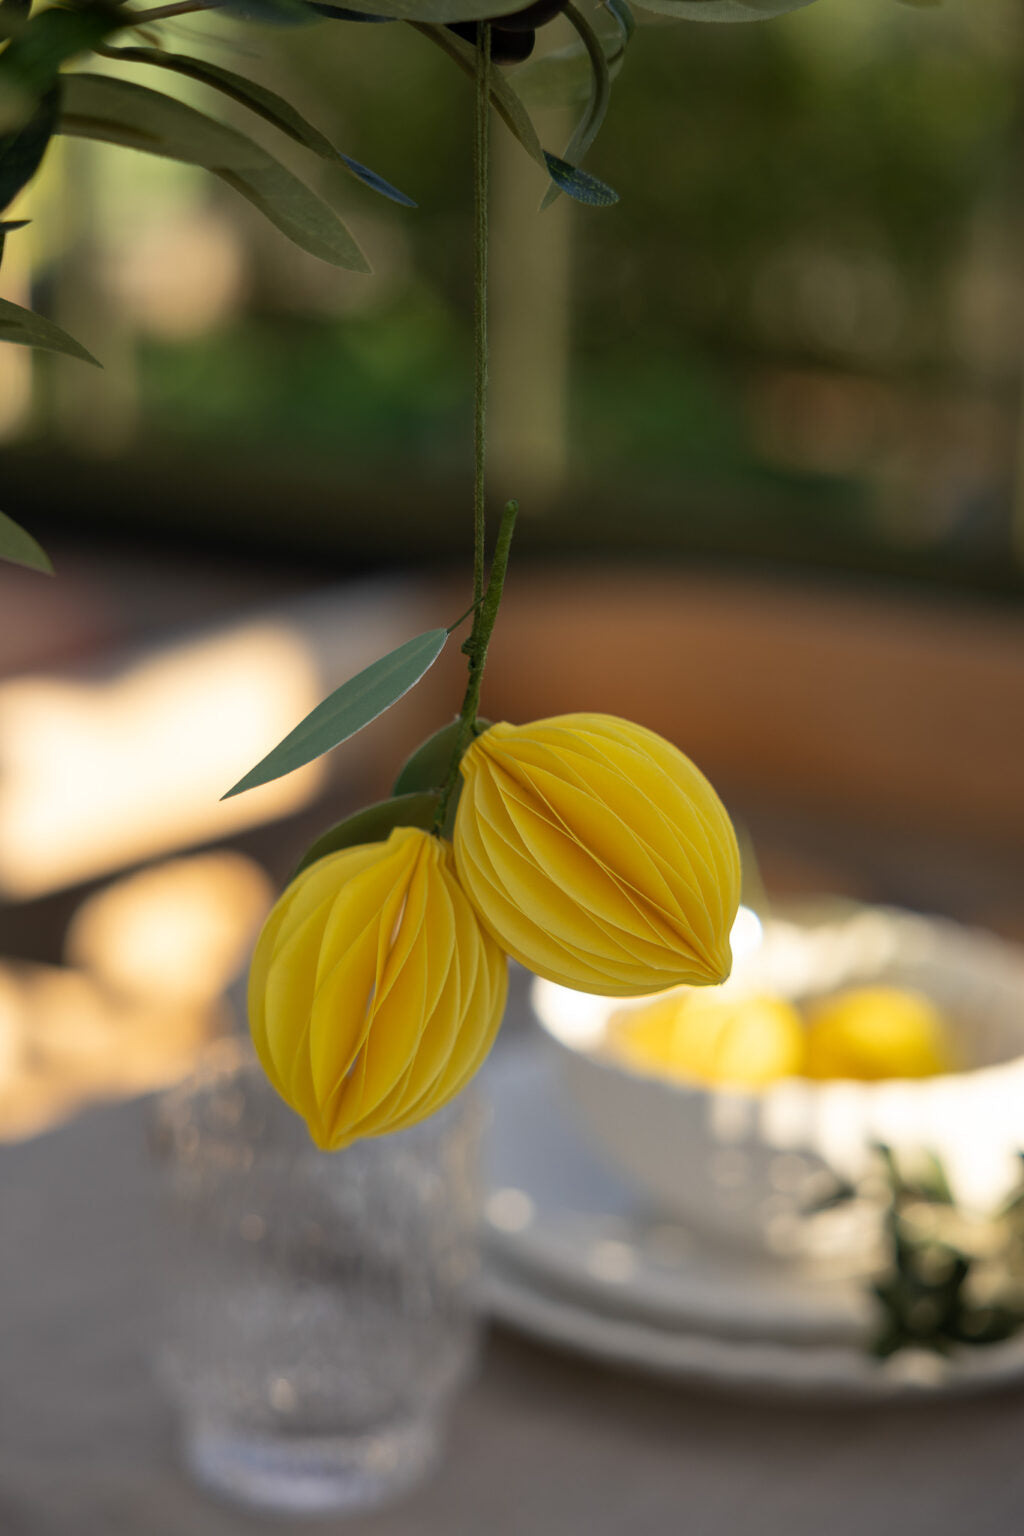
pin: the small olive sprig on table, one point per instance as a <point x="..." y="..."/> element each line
<point x="951" y="1277"/>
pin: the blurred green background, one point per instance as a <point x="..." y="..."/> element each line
<point x="797" y="340"/>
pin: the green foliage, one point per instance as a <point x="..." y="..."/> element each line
<point x="348" y="709"/>
<point x="273" y="13"/>
<point x="597" y="103"/>
<point x="952" y="1277"/>
<point x="565" y="76"/>
<point x="428" y="766"/>
<point x="30" y="63"/>
<point x="30" y="330"/>
<point x="38" y="98"/>
<point x="119" y="112"/>
<point x="579" y="184"/>
<point x="506" y="102"/>
<point x="266" y="104"/>
<point x="724" y="10"/>
<point x="373" y="824"/>
<point x="6" y="226"/>
<point x="20" y="547"/>
<point x="503" y="98"/>
<point x="438" y="12"/>
<point x="429" y="769"/>
<point x="22" y="149"/>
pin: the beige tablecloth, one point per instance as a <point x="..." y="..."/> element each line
<point x="542" y="1443"/>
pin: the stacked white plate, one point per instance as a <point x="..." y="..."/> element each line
<point x="574" y="1256"/>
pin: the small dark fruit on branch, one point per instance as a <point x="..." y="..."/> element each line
<point x="531" y="16"/>
<point x="506" y="47"/>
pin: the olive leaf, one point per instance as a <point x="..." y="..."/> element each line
<point x="429" y="765"/>
<point x="6" y="225"/>
<point x="597" y="105"/>
<point x="580" y="184"/>
<point x="724" y="10"/>
<point x="427" y="769"/>
<point x="119" y="112"/>
<point x="265" y="103"/>
<point x="20" y="547"/>
<point x="276" y="13"/>
<point x="584" y="188"/>
<point x="434" y="12"/>
<point x="372" y="825"/>
<point x="503" y="98"/>
<point x="29" y="65"/>
<point x="564" y="77"/>
<point x="31" y="330"/>
<point x="22" y="149"/>
<point x="348" y="709"/>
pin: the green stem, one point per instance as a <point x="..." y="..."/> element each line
<point x="162" y="12"/>
<point x="481" y="199"/>
<point x="485" y="603"/>
<point x="478" y="643"/>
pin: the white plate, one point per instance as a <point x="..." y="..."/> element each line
<point x="825" y="1373"/>
<point x="566" y="1221"/>
<point x="573" y="1257"/>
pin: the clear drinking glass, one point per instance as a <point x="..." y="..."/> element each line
<point x="321" y="1305"/>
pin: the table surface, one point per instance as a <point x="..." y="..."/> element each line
<point x="542" y="1442"/>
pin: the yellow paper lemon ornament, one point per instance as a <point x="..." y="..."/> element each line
<point x="598" y="855"/>
<point x="375" y="993"/>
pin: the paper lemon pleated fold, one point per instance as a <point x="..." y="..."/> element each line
<point x="375" y="992"/>
<point x="598" y="855"/>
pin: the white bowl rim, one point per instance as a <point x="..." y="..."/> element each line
<point x="544" y="994"/>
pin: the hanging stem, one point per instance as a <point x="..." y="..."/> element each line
<point x="476" y="649"/>
<point x="481" y="199"/>
<point x="485" y="603"/>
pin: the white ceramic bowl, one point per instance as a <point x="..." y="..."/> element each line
<point x="746" y="1166"/>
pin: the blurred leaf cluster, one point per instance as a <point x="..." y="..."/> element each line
<point x="953" y="1277"/>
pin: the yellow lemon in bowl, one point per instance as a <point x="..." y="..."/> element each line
<point x="747" y="1040"/>
<point x="872" y="1033"/>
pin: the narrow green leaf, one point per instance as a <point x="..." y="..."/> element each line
<point x="22" y="150"/>
<point x="427" y="767"/>
<point x="348" y="709"/>
<point x="298" y="213"/>
<point x="580" y="184"/>
<point x="21" y="548"/>
<point x="503" y="98"/>
<point x="373" y="824"/>
<point x="600" y="95"/>
<point x="29" y="66"/>
<point x="120" y="112"/>
<point x="724" y="10"/>
<point x="375" y="181"/>
<point x="620" y="10"/>
<point x="274" y="13"/>
<point x="266" y="104"/>
<point x="439" y="12"/>
<point x="584" y="188"/>
<point x="6" y="225"/>
<point x="31" y="330"/>
<point x="344" y="13"/>
<point x="562" y="78"/>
